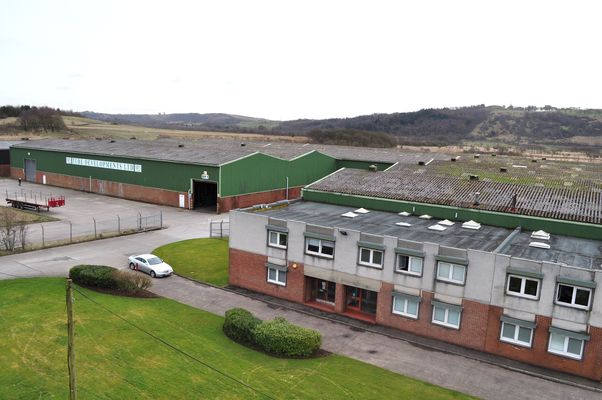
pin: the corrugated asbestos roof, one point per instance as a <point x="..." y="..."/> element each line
<point x="557" y="203"/>
<point x="220" y="151"/>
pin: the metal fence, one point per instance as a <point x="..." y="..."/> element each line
<point x="65" y="232"/>
<point x="219" y="229"/>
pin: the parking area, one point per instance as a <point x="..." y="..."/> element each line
<point x="83" y="212"/>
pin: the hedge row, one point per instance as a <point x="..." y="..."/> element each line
<point x="277" y="336"/>
<point x="104" y="277"/>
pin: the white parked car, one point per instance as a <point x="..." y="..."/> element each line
<point x="150" y="264"/>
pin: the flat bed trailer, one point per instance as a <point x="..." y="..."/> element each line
<point x="35" y="203"/>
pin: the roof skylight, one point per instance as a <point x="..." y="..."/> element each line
<point x="471" y="225"/>
<point x="437" y="228"/>
<point x="349" y="215"/>
<point x="539" y="245"/>
<point x="446" y="222"/>
<point x="361" y="211"/>
<point x="404" y="224"/>
<point x="404" y="214"/>
<point x="425" y="216"/>
<point x="541" y="235"/>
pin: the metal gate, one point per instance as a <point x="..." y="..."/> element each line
<point x="30" y="170"/>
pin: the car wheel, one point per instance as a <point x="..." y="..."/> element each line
<point x="132" y="266"/>
<point x="152" y="274"/>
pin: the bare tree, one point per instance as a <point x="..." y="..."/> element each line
<point x="12" y="229"/>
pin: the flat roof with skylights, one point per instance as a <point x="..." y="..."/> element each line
<point x="572" y="251"/>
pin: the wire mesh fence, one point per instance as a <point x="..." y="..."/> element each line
<point x="219" y="229"/>
<point x="49" y="234"/>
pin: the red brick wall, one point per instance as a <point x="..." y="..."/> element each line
<point x="4" y="169"/>
<point x="226" y="204"/>
<point x="124" y="190"/>
<point x="248" y="270"/>
<point x="589" y="366"/>
<point x="473" y="321"/>
<point x="152" y="195"/>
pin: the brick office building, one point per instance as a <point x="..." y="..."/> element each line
<point x="524" y="294"/>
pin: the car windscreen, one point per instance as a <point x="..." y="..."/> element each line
<point x="154" y="261"/>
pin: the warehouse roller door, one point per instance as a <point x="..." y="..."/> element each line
<point x="30" y="170"/>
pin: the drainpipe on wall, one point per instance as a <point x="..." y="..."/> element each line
<point x="90" y="184"/>
<point x="287" y="187"/>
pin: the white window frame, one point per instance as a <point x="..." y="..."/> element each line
<point x="572" y="303"/>
<point x="523" y="284"/>
<point x="320" y="245"/>
<point x="279" y="273"/>
<point x="446" y="318"/>
<point x="371" y="263"/>
<point x="565" y="352"/>
<point x="449" y="278"/>
<point x="278" y="235"/>
<point x="405" y="312"/>
<point x="409" y="271"/>
<point x="515" y="339"/>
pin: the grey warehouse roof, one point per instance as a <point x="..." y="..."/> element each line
<point x="576" y="252"/>
<point x="557" y="203"/>
<point x="219" y="151"/>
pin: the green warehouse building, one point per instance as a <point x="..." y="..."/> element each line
<point x="213" y="174"/>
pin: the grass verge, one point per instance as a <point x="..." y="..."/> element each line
<point x="205" y="260"/>
<point x="117" y="360"/>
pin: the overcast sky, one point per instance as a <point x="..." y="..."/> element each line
<point x="299" y="59"/>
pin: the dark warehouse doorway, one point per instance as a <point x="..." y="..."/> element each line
<point x="204" y="195"/>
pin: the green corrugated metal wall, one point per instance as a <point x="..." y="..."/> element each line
<point x="569" y="228"/>
<point x="260" y="172"/>
<point x="158" y="174"/>
<point x="362" y="164"/>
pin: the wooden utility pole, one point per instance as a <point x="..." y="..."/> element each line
<point x="71" y="345"/>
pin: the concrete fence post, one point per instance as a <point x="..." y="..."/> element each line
<point x="118" y="225"/>
<point x="221" y="229"/>
<point x="94" y="219"/>
<point x="43" y="244"/>
<point x="70" y="232"/>
<point x="139" y="222"/>
<point x="161" y="219"/>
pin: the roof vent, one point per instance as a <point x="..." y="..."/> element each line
<point x="180" y="145"/>
<point x="437" y="228"/>
<point x="540" y="235"/>
<point x="425" y="216"/>
<point x="373" y="168"/>
<point x="361" y="211"/>
<point x="473" y="177"/>
<point x="503" y="169"/>
<point x="404" y="224"/>
<point x="471" y="225"/>
<point x="539" y="245"/>
<point x="349" y="215"/>
<point x="404" y="214"/>
<point x="446" y="222"/>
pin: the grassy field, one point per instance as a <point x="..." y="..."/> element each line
<point x="116" y="359"/>
<point x="203" y="259"/>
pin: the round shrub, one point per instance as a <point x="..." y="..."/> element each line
<point x="131" y="282"/>
<point x="240" y="325"/>
<point x="100" y="276"/>
<point x="283" y="338"/>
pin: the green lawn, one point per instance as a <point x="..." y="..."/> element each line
<point x="203" y="259"/>
<point x="118" y="361"/>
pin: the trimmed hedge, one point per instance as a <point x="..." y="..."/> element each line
<point x="104" y="277"/>
<point x="100" y="276"/>
<point x="281" y="337"/>
<point x="240" y="325"/>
